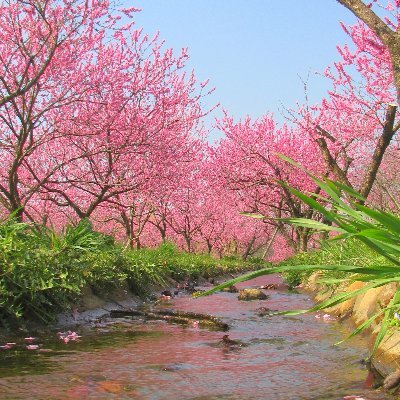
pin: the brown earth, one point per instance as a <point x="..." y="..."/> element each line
<point x="359" y="309"/>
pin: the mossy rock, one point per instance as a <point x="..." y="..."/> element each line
<point x="230" y="289"/>
<point x="252" y="294"/>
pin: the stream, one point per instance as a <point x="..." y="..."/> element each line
<point x="276" y="358"/>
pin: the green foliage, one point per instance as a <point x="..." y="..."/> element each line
<point x="37" y="270"/>
<point x="169" y="261"/>
<point x="42" y="272"/>
<point x="349" y="252"/>
<point x="377" y="232"/>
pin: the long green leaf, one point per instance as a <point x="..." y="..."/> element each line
<point x="378" y="248"/>
<point x="350" y="191"/>
<point x="385" y="322"/>
<point x="333" y="192"/>
<point x="389" y="221"/>
<point x="377" y="271"/>
<point x="379" y="234"/>
<point x="363" y="326"/>
<point x="341" y="297"/>
<point x="310" y="223"/>
<point x="310" y="201"/>
<point x="253" y="215"/>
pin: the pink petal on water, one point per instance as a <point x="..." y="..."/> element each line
<point x="327" y="317"/>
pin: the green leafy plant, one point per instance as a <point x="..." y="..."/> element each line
<point x="344" y="210"/>
<point x="349" y="252"/>
<point x="43" y="271"/>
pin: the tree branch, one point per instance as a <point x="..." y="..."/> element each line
<point x="363" y="12"/>
<point x="383" y="143"/>
<point x="331" y="162"/>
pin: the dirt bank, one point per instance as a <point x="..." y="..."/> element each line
<point x="93" y="306"/>
<point x="358" y="310"/>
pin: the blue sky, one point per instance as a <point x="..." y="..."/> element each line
<point x="252" y="51"/>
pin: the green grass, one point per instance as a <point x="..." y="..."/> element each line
<point x="42" y="273"/>
<point x="349" y="252"/>
<point x="181" y="265"/>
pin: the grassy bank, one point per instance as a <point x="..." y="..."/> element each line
<point x="349" y="252"/>
<point x="43" y="273"/>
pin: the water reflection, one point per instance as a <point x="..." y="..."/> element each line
<point x="276" y="358"/>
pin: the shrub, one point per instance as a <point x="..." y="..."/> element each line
<point x="42" y="272"/>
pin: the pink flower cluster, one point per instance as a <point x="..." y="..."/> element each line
<point x="32" y="346"/>
<point x="7" y="346"/>
<point x="29" y="346"/>
<point x="195" y="324"/>
<point x="326" y="317"/>
<point x="68" y="336"/>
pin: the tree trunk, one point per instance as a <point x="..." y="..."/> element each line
<point x="248" y="248"/>
<point x="269" y="245"/>
<point x="303" y="242"/>
<point x="371" y="171"/>
<point x="209" y="247"/>
<point x="383" y="143"/>
<point x="188" y="243"/>
<point x="331" y="162"/>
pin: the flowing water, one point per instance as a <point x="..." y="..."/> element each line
<point x="278" y="357"/>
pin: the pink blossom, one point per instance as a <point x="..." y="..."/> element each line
<point x="32" y="346"/>
<point x="7" y="346"/>
<point x="325" y="317"/>
<point x="68" y="336"/>
<point x="354" y="397"/>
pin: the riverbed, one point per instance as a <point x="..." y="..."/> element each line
<point x="272" y="357"/>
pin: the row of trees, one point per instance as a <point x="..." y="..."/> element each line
<point x="98" y="120"/>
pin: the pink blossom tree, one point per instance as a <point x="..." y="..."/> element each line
<point x="47" y="54"/>
<point x="354" y="126"/>
<point x="90" y="126"/>
<point x="250" y="166"/>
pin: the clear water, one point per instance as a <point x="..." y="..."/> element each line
<point x="281" y="358"/>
